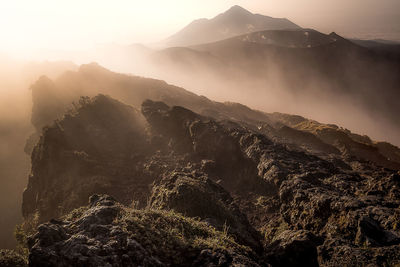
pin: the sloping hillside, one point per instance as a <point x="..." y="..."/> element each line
<point x="303" y="65"/>
<point x="200" y="191"/>
<point x="233" y="22"/>
<point x="51" y="99"/>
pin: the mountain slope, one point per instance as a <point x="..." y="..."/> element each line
<point x="51" y="99"/>
<point x="297" y="38"/>
<point x="305" y="64"/>
<point x="384" y="47"/>
<point x="235" y="21"/>
<point x="212" y="192"/>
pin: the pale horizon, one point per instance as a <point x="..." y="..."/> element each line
<point x="29" y="27"/>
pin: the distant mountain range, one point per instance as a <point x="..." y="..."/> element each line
<point x="233" y="22"/>
<point x="385" y="47"/>
<point x="300" y="61"/>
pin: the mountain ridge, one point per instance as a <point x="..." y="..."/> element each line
<point x="217" y="192"/>
<point x="92" y="79"/>
<point x="303" y="66"/>
<point x="234" y="21"/>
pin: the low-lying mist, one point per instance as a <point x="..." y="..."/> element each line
<point x="263" y="85"/>
<point x="359" y="110"/>
<point x="15" y="128"/>
<point x="341" y="109"/>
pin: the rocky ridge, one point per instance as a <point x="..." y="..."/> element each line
<point x="105" y="233"/>
<point x="273" y="201"/>
<point x="51" y="99"/>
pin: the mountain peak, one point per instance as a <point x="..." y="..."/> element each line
<point x="233" y="22"/>
<point x="237" y="10"/>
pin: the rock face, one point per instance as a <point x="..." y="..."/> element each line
<point x="294" y="248"/>
<point x="195" y="195"/>
<point x="51" y="99"/>
<point x="204" y="191"/>
<point x="9" y="258"/>
<point x="108" y="234"/>
<point x="85" y="153"/>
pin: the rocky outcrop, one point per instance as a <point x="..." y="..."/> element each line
<point x="353" y="145"/>
<point x="52" y="98"/>
<point x="194" y="181"/>
<point x="85" y="153"/>
<point x="105" y="233"/>
<point x="9" y="258"/>
<point x="294" y="248"/>
<point x="195" y="195"/>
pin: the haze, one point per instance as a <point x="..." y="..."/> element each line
<point x="31" y="27"/>
<point x="341" y="85"/>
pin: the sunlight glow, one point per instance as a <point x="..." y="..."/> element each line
<point x="28" y="26"/>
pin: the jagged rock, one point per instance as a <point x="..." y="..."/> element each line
<point x="332" y="253"/>
<point x="294" y="248"/>
<point x="370" y="233"/>
<point x="107" y="234"/>
<point x="396" y="177"/>
<point x="9" y="258"/>
<point x="252" y="188"/>
<point x="206" y="140"/>
<point x="82" y="154"/>
<point x="195" y="195"/>
<point x="88" y="240"/>
<point x="306" y="139"/>
<point x="52" y="98"/>
<point x="353" y="145"/>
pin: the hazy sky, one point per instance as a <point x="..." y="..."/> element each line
<point x="71" y="24"/>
